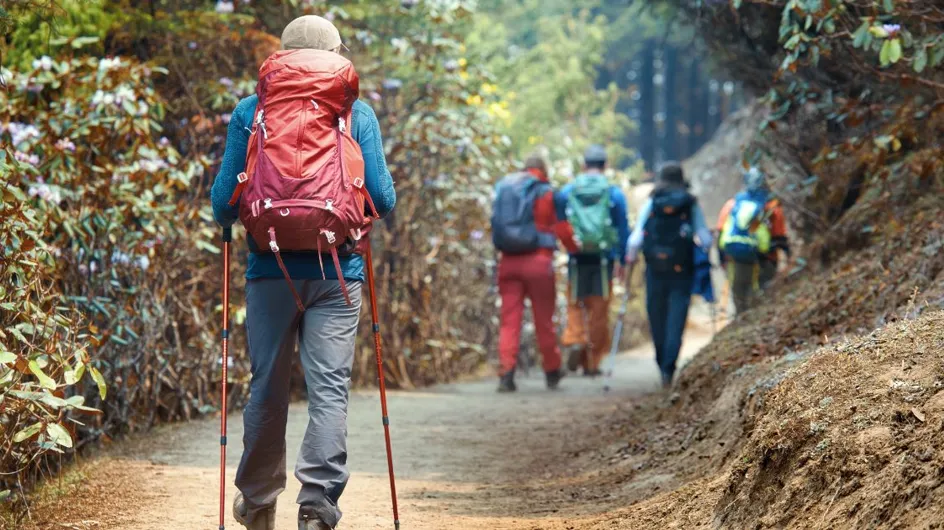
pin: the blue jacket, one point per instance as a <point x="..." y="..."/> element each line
<point x="618" y="213"/>
<point x="365" y="130"/>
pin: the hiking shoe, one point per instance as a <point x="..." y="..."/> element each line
<point x="507" y="383"/>
<point x="309" y="520"/>
<point x="574" y="357"/>
<point x="592" y="373"/>
<point x="554" y="378"/>
<point x="263" y="520"/>
<point x="666" y="381"/>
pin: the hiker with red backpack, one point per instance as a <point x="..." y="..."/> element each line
<point x="670" y="225"/>
<point x="525" y="231"/>
<point x="304" y="171"/>
<point x="596" y="210"/>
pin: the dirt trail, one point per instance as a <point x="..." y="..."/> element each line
<point x="466" y="457"/>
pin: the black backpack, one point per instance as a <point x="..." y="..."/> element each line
<point x="668" y="235"/>
<point x="513" y="228"/>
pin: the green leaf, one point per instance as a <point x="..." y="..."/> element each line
<point x="883" y="55"/>
<point x="99" y="380"/>
<point x="921" y="60"/>
<point x="53" y="401"/>
<point x="878" y="31"/>
<point x="7" y="357"/>
<point x="79" y="42"/>
<point x="28" y="432"/>
<point x="44" y="380"/>
<point x="78" y="403"/>
<point x="59" y="434"/>
<point x="894" y="54"/>
<point x="889" y="6"/>
<point x="860" y="35"/>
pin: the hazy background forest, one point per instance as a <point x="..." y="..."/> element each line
<point x="114" y="115"/>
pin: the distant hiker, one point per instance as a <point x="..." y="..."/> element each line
<point x="752" y="229"/>
<point x="525" y="230"/>
<point x="596" y="211"/>
<point x="318" y="307"/>
<point x="670" y="225"/>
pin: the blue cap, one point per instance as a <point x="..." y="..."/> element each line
<point x="595" y="154"/>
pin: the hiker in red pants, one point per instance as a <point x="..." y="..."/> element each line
<point x="525" y="230"/>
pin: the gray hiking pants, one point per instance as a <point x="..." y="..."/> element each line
<point x="325" y="334"/>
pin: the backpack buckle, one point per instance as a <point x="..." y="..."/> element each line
<point x="342" y="126"/>
<point x="242" y="177"/>
<point x="273" y="246"/>
<point x="267" y="204"/>
<point x="329" y="235"/>
<point x="358" y="183"/>
<point x="329" y="205"/>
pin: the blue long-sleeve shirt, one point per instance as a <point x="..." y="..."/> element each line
<point x="636" y="238"/>
<point x="365" y="129"/>
<point x="618" y="214"/>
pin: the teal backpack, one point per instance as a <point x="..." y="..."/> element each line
<point x="588" y="211"/>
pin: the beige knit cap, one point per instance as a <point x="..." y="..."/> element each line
<point x="310" y="32"/>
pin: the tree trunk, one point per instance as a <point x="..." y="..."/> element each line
<point x="647" y="132"/>
<point x="670" y="136"/>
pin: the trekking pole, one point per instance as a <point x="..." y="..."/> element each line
<point x="375" y="320"/>
<point x="227" y="238"/>
<point x="614" y="345"/>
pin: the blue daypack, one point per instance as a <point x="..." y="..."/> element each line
<point x="513" y="227"/>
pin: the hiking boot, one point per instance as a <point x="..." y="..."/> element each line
<point x="574" y="357"/>
<point x="666" y="381"/>
<point x="554" y="378"/>
<point x="264" y="519"/>
<point x="507" y="383"/>
<point x="592" y="373"/>
<point x="309" y="520"/>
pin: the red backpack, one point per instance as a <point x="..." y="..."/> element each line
<point x="303" y="188"/>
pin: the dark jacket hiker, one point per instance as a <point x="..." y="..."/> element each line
<point x="666" y="231"/>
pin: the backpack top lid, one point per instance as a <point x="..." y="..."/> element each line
<point x="671" y="202"/>
<point x="306" y="73"/>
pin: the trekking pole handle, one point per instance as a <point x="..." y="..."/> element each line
<point x="227" y="234"/>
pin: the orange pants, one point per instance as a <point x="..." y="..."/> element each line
<point x="588" y="325"/>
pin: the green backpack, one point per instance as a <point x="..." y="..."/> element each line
<point x="588" y="211"/>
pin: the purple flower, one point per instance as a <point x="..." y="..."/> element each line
<point x="20" y="156"/>
<point x="224" y="7"/>
<point x="477" y="234"/>
<point x="227" y="82"/>
<point x="329" y="16"/>
<point x="193" y="45"/>
<point x="21" y="132"/>
<point x="45" y="192"/>
<point x="226" y="118"/>
<point x="392" y="84"/>
<point x="65" y="144"/>
<point x="163" y="142"/>
<point x="451" y="65"/>
<point x="375" y="96"/>
<point x="891" y="29"/>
